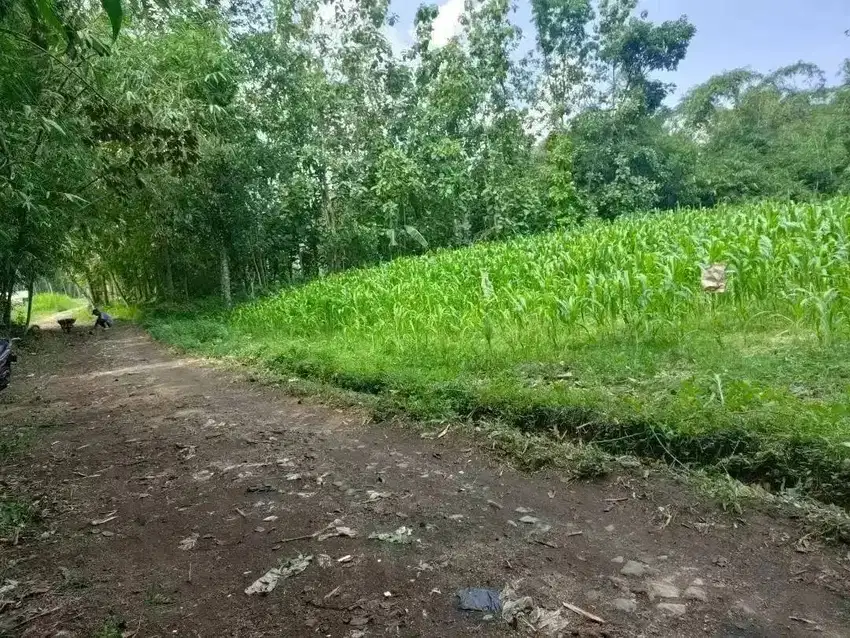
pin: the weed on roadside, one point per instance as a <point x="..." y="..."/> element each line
<point x="73" y="580"/>
<point x="156" y="596"/>
<point x="820" y="521"/>
<point x="112" y="627"/>
<point x="16" y="517"/>
<point x="13" y="440"/>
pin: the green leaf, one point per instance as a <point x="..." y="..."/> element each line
<point x="416" y="236"/>
<point x="48" y="14"/>
<point x="97" y="46"/>
<point x="116" y="15"/>
<point x="52" y="124"/>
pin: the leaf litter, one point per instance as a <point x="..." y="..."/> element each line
<point x="521" y="611"/>
<point x="268" y="581"/>
<point x="189" y="542"/>
<point x="400" y="536"/>
<point x="336" y="529"/>
<point x="375" y="495"/>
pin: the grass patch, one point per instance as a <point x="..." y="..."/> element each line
<point x="16" y="516"/>
<point x="112" y="627"/>
<point x="599" y="336"/>
<point x="47" y="304"/>
<point x="12" y="442"/>
<point x="156" y="596"/>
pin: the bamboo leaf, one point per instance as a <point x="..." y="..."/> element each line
<point x="48" y="14"/>
<point x="416" y="236"/>
<point x="52" y="124"/>
<point x="115" y="12"/>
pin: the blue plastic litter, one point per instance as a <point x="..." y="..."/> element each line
<point x="477" y="599"/>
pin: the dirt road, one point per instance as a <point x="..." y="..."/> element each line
<point x="195" y="478"/>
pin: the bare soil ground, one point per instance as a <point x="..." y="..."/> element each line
<point x="196" y="477"/>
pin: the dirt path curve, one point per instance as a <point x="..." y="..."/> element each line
<point x="201" y="474"/>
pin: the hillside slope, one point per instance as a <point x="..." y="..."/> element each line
<point x="604" y="333"/>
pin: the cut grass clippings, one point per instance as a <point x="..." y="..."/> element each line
<point x="600" y="335"/>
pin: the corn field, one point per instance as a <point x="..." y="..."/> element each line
<point x="787" y="264"/>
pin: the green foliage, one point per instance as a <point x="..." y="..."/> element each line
<point x="115" y="12"/>
<point x="51" y="303"/>
<point x="12" y="441"/>
<point x="112" y="627"/>
<point x="16" y="516"/>
<point x="205" y="152"/>
<point x="233" y="152"/>
<point x="780" y="135"/>
<point x="602" y="332"/>
<point x="46" y="304"/>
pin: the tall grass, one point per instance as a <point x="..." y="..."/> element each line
<point x="639" y="276"/>
<point x="45" y="304"/>
<point x="603" y="332"/>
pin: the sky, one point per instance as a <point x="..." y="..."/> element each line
<point x="760" y="34"/>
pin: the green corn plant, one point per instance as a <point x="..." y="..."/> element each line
<point x="638" y="275"/>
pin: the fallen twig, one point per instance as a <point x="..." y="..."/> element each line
<point x="805" y="621"/>
<point x="546" y="543"/>
<point x="586" y="614"/>
<point x="319" y="605"/>
<point x="106" y="519"/>
<point x="299" y="538"/>
<point x="578" y="533"/>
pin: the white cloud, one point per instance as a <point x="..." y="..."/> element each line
<point x="447" y="24"/>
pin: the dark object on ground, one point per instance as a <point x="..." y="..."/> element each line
<point x="34" y="330"/>
<point x="103" y="319"/>
<point x="6" y="361"/>
<point x="474" y="599"/>
<point x="66" y="325"/>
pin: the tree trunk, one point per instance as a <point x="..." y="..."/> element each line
<point x="6" y="290"/>
<point x="169" y="275"/>
<point x="260" y="281"/>
<point x="225" y="276"/>
<point x="30" y="294"/>
<point x="118" y="288"/>
<point x="330" y="222"/>
<point x="94" y="291"/>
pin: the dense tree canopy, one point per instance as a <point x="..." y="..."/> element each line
<point x="165" y="151"/>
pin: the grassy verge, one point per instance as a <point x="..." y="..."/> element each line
<point x="602" y="335"/>
<point x="45" y="305"/>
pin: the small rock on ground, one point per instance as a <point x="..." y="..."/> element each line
<point x="634" y="568"/>
<point x="673" y="609"/>
<point x="696" y="593"/>
<point x="660" y="589"/>
<point x="743" y="609"/>
<point x="625" y="605"/>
